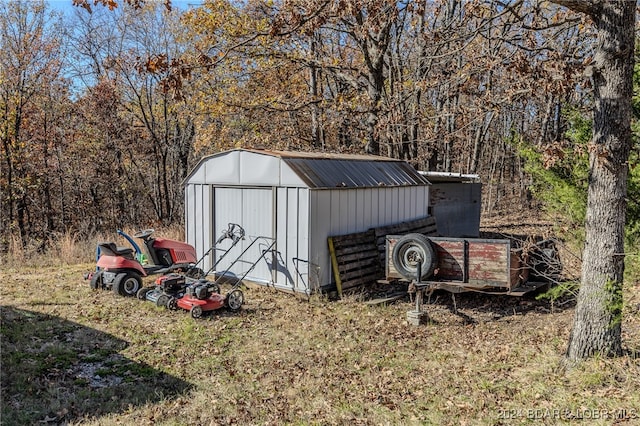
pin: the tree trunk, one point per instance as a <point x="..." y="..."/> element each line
<point x="597" y="324"/>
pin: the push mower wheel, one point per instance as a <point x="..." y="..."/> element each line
<point x="142" y="293"/>
<point x="196" y="311"/>
<point x="172" y="304"/>
<point x="127" y="283"/>
<point x="234" y="300"/>
<point x="96" y="280"/>
<point x="162" y="301"/>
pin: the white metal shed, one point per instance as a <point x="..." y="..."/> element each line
<point x="298" y="199"/>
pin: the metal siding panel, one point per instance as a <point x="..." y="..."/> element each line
<point x="223" y="169"/>
<point x="198" y="219"/>
<point x="228" y="205"/>
<point x="257" y="214"/>
<point x="307" y="268"/>
<point x="207" y="208"/>
<point x="409" y="201"/>
<point x="360" y="208"/>
<point x="282" y="229"/>
<point x="259" y="170"/>
<point x="367" y="214"/>
<point x="403" y="208"/>
<point x="188" y="221"/>
<point x="375" y="210"/>
<point x="342" y="198"/>
<point x="395" y="205"/>
<point x="384" y="217"/>
<point x="289" y="178"/>
<point x="352" y="206"/>
<point x="293" y="238"/>
<point x="320" y="229"/>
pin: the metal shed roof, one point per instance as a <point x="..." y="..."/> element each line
<point x="324" y="170"/>
<point x="449" y="177"/>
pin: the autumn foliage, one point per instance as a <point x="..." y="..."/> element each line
<point x="104" y="112"/>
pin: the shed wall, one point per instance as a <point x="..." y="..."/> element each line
<point x="251" y="208"/>
<point x="198" y="223"/>
<point x="456" y="205"/>
<point x="341" y="211"/>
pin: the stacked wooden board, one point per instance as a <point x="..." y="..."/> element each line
<point x="359" y="258"/>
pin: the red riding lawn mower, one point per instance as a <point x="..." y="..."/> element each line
<point x="122" y="268"/>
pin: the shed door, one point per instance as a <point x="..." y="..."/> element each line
<point x="251" y="208"/>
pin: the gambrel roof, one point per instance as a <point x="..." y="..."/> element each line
<point x="306" y="169"/>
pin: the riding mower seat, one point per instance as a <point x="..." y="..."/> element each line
<point x="110" y="249"/>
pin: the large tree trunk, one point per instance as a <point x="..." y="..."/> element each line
<point x="597" y="323"/>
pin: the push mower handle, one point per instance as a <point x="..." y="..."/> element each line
<point x="234" y="232"/>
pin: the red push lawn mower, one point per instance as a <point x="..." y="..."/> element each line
<point x="122" y="268"/>
<point x="203" y="296"/>
<point x="173" y="286"/>
<point x="200" y="295"/>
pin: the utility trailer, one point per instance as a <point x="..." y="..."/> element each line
<point x="494" y="266"/>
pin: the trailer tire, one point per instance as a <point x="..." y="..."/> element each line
<point x="127" y="283"/>
<point x="409" y="251"/>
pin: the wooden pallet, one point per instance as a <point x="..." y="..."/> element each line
<point x="426" y="226"/>
<point x="359" y="258"/>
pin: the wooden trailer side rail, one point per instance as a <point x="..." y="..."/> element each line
<point x="472" y="263"/>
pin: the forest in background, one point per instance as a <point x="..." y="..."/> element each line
<point x="104" y="113"/>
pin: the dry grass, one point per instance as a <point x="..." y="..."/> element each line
<point x="72" y="355"/>
<point x="69" y="248"/>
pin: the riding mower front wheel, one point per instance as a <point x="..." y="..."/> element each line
<point x="96" y="280"/>
<point x="127" y="283"/>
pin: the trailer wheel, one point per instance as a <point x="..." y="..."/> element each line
<point x="127" y="283"/>
<point x="234" y="300"/>
<point x="162" y="301"/>
<point x="96" y="280"/>
<point x="196" y="311"/>
<point x="411" y="250"/>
